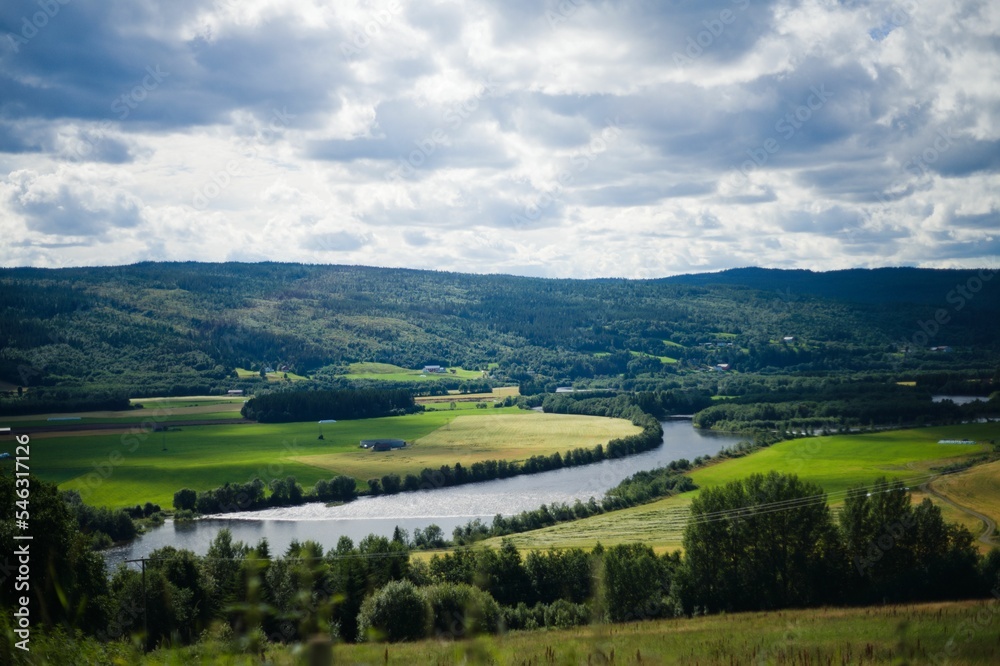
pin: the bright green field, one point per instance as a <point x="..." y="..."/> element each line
<point x="839" y="461"/>
<point x="124" y="469"/>
<point x="663" y="359"/>
<point x="276" y="376"/>
<point x="203" y="457"/>
<point x="391" y="372"/>
<point x="836" y="463"/>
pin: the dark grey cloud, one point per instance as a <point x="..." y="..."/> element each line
<point x="117" y="61"/>
<point x="987" y="221"/>
<point x="640" y="195"/>
<point x="964" y="158"/>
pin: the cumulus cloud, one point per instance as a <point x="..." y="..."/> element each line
<point x="67" y="204"/>
<point x="563" y="137"/>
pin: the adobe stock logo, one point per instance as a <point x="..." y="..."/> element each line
<point x="703" y="40"/>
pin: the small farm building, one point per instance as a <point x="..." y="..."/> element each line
<point x="383" y="444"/>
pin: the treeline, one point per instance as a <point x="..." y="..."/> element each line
<point x="255" y="494"/>
<point x="835" y="407"/>
<point x="288" y="406"/>
<point x="49" y="401"/>
<point x="103" y="525"/>
<point x="763" y="543"/>
<point x="981" y="383"/>
<point x="770" y="541"/>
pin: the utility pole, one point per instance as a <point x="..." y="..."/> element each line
<point x="145" y="609"/>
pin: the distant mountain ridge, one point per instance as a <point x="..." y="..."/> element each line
<point x="856" y="285"/>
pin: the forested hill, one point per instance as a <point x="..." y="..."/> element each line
<point x="877" y="285"/>
<point x="185" y="327"/>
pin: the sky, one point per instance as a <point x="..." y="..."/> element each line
<point x="572" y="138"/>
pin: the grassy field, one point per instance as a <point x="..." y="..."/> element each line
<point x="498" y="393"/>
<point x="188" y="401"/>
<point x="156" y="410"/>
<point x="957" y="633"/>
<point x="275" y="376"/>
<point x="883" y="635"/>
<point x="663" y="359"/>
<point x="475" y="437"/>
<point x="977" y="488"/>
<point x="840" y="461"/>
<point x="835" y="463"/>
<point x="128" y="468"/>
<point x="391" y="372"/>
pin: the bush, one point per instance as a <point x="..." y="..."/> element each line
<point x="397" y="612"/>
<point x="460" y="610"/>
<point x="185" y="499"/>
<point x="559" y="614"/>
<point x="523" y="616"/>
<point x="563" y="614"/>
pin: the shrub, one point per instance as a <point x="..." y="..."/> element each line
<point x="397" y="612"/>
<point x="460" y="610"/>
<point x="562" y="614"/>
<point x="523" y="616"/>
<point x="185" y="499"/>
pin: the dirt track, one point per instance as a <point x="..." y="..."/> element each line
<point x="991" y="526"/>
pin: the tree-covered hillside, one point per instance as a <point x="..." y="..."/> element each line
<point x="185" y="327"/>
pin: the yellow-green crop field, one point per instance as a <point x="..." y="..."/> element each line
<point x="476" y="437"/>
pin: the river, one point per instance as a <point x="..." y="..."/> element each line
<point x="958" y="399"/>
<point x="446" y="507"/>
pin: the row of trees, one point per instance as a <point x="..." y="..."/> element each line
<point x="287" y="406"/>
<point x="770" y="541"/>
<point x="62" y="401"/>
<point x="845" y="407"/>
<point x="255" y="494"/>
